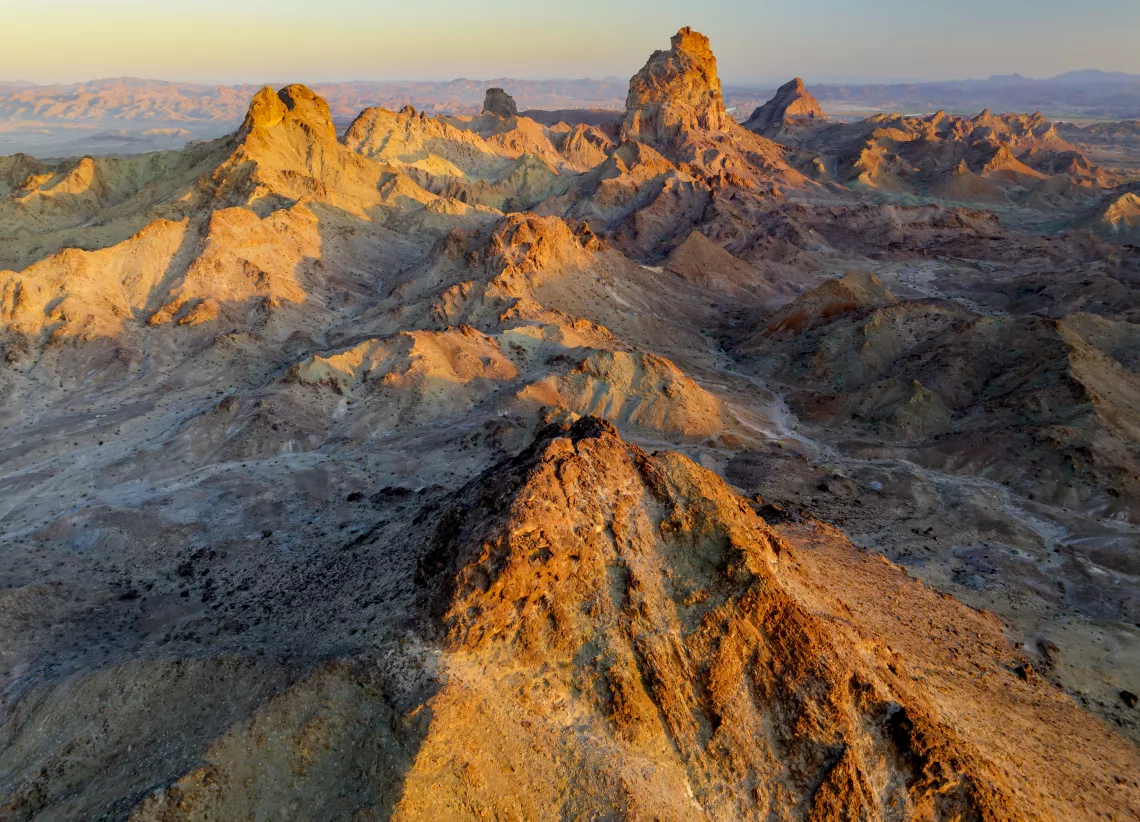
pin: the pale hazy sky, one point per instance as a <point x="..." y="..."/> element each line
<point x="319" y="40"/>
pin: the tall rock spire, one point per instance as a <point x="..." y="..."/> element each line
<point x="677" y="91"/>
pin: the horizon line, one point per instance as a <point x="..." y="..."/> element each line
<point x="741" y="83"/>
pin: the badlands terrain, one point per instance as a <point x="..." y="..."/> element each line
<point x="533" y="465"/>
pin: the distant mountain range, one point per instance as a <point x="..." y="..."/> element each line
<point x="1088" y="93"/>
<point x="133" y="102"/>
<point x="137" y="100"/>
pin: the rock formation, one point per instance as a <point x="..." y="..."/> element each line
<point x="411" y="139"/>
<point x="791" y="105"/>
<point x="988" y="159"/>
<point x="681" y="629"/>
<point x="295" y="103"/>
<point x="854" y="291"/>
<point x="922" y="371"/>
<point x="1118" y="217"/>
<point x="499" y="103"/>
<point x="677" y="91"/>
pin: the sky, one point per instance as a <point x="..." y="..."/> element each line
<point x="230" y="41"/>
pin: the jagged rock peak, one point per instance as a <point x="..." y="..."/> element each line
<point x="499" y="103"/>
<point x="296" y="103"/>
<point x="266" y="110"/>
<point x="677" y="91"/>
<point x="791" y="104"/>
<point x="645" y="576"/>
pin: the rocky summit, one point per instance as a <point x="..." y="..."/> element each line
<point x="677" y="91"/>
<point x="568" y="464"/>
<point x="791" y="105"/>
